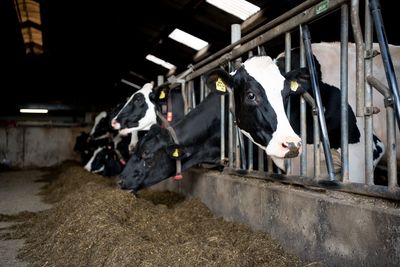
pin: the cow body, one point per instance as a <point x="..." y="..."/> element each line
<point x="259" y="92"/>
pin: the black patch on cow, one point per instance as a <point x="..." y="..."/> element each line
<point x="253" y="111"/>
<point x="134" y="111"/>
<point x="330" y="97"/>
<point x="377" y="152"/>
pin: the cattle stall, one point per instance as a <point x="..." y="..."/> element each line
<point x="337" y="223"/>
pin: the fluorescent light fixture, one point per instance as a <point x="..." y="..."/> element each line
<point x="33" y="110"/>
<point x="187" y="39"/>
<point x="239" y="8"/>
<point x="161" y="62"/>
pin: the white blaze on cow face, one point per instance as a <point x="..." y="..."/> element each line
<point x="148" y="119"/>
<point x="266" y="73"/>
<point x="88" y="165"/>
<point x="100" y="116"/>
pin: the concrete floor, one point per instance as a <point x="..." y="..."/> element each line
<point x="18" y="192"/>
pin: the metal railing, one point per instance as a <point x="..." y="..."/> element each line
<point x="309" y="12"/>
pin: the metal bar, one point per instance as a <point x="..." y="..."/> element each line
<point x="391" y="131"/>
<point x="202" y="89"/>
<point x="358" y="38"/>
<point x="369" y="167"/>
<point x="223" y="128"/>
<point x="261" y="155"/>
<point x="387" y="60"/>
<point x="286" y="26"/>
<point x="344" y="92"/>
<point x="303" y="114"/>
<point x="252" y="35"/>
<point x="249" y="142"/>
<point x="317" y="97"/>
<point x="130" y="84"/>
<point x="288" y="48"/>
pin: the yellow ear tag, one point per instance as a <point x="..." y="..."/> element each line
<point x="162" y="95"/>
<point x="220" y="85"/>
<point x="294" y="85"/>
<point x="175" y="154"/>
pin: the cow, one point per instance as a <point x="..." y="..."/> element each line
<point x="139" y="112"/>
<point x="327" y="59"/>
<point x="260" y="91"/>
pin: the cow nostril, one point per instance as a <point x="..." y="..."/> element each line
<point x="284" y="145"/>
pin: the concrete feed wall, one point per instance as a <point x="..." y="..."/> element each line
<point x="31" y="146"/>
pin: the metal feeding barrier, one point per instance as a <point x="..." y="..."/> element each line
<point x="241" y="160"/>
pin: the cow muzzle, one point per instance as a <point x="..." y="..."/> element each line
<point x="294" y="149"/>
<point x="115" y="124"/>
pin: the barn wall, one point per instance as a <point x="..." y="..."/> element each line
<point x="337" y="228"/>
<point x="31" y="146"/>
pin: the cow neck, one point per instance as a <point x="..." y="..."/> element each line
<point x="172" y="133"/>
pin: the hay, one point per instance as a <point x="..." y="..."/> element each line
<point x="93" y="223"/>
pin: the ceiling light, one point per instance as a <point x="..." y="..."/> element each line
<point x="187" y="39"/>
<point x="33" y="110"/>
<point x="239" y="8"/>
<point x="161" y="62"/>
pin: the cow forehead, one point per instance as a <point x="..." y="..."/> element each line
<point x="264" y="70"/>
<point x="145" y="90"/>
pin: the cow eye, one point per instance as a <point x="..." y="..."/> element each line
<point x="251" y="96"/>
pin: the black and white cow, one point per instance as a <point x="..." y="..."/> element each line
<point x="110" y="158"/>
<point x="327" y="59"/>
<point x="139" y="112"/>
<point x="259" y="91"/>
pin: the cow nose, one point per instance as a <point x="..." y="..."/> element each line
<point x="115" y="124"/>
<point x="294" y="149"/>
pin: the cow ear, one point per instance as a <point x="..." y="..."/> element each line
<point x="175" y="152"/>
<point x="161" y="94"/>
<point x="297" y="81"/>
<point x="219" y="81"/>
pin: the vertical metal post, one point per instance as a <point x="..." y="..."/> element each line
<point x="160" y="80"/>
<point x="288" y="48"/>
<point x="369" y="168"/>
<point x="344" y="112"/>
<point x="360" y="75"/>
<point x="202" y="89"/>
<point x="303" y="115"/>
<point x="223" y="129"/>
<point x="387" y="60"/>
<point x="184" y="97"/>
<point x="317" y="97"/>
<point x="391" y="149"/>
<point x="234" y="139"/>
<point x="261" y="153"/>
<point x="192" y="94"/>
<point x="250" y="145"/>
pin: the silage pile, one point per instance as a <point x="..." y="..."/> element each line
<point x="93" y="223"/>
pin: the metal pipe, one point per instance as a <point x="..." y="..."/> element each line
<point x="358" y="38"/>
<point x="317" y="97"/>
<point x="249" y="142"/>
<point x="202" y="89"/>
<point x="288" y="25"/>
<point x="288" y="48"/>
<point x="390" y="131"/>
<point x="252" y="35"/>
<point x="387" y="60"/>
<point x="303" y="114"/>
<point x="344" y="92"/>
<point x="369" y="167"/>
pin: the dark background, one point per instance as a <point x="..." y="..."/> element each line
<point x="89" y="46"/>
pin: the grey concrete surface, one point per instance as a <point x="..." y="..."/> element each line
<point x="18" y="192"/>
<point x="335" y="228"/>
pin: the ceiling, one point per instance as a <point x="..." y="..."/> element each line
<point x="89" y="46"/>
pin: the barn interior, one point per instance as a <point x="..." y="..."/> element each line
<point x="77" y="59"/>
<point x="90" y="54"/>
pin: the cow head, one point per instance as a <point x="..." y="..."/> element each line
<point x="151" y="162"/>
<point x="260" y="92"/>
<point x="138" y="113"/>
<point x="105" y="162"/>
